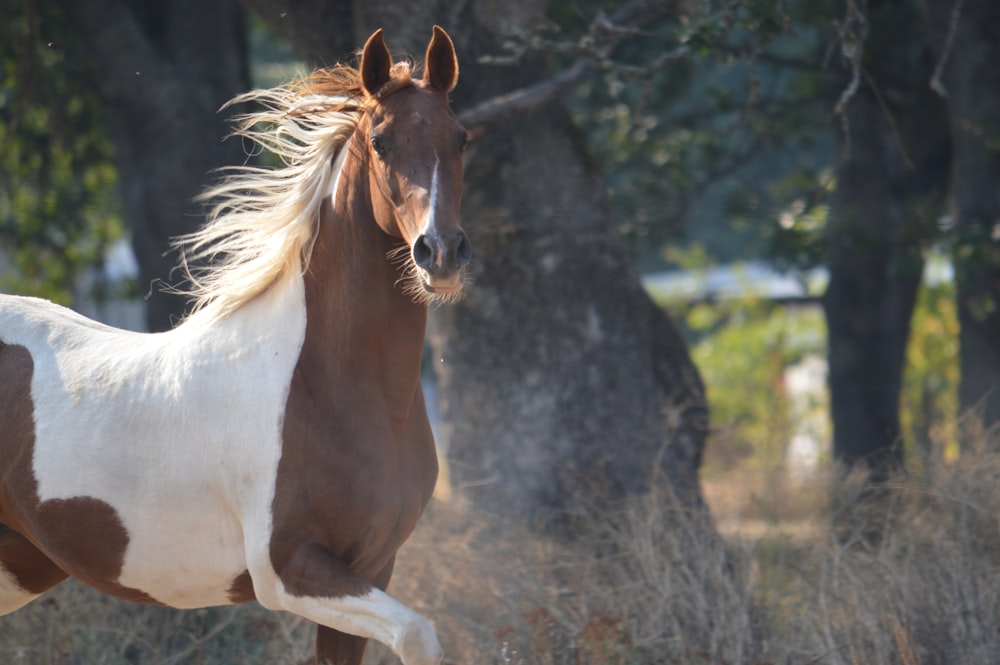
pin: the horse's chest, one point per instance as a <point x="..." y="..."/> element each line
<point x="360" y="490"/>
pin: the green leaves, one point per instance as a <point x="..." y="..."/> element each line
<point x="58" y="209"/>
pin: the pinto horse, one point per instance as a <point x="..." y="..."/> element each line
<point x="275" y="445"/>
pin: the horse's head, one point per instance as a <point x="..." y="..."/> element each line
<point x="415" y="143"/>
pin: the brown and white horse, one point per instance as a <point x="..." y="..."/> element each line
<point x="275" y="445"/>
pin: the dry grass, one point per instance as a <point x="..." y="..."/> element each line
<point x="75" y="625"/>
<point x="909" y="577"/>
<point x="626" y="592"/>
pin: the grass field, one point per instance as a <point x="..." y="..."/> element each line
<point x="906" y="577"/>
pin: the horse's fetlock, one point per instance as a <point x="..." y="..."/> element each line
<point x="419" y="644"/>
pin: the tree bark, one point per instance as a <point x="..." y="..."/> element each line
<point x="562" y="384"/>
<point x="870" y="298"/>
<point x="893" y="161"/>
<point x="973" y="99"/>
<point x="163" y="70"/>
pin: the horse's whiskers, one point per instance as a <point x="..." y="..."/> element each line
<point x="410" y="284"/>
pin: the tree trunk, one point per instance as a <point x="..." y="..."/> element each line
<point x="562" y="384"/>
<point x="894" y="159"/>
<point x="163" y="70"/>
<point x="974" y="97"/>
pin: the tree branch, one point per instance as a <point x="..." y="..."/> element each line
<point x="594" y="49"/>
<point x="936" y="84"/>
<point x="527" y="99"/>
<point x="853" y="32"/>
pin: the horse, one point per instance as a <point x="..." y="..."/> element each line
<point x="274" y="446"/>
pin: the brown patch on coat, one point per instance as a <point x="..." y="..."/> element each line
<point x="241" y="590"/>
<point x="32" y="569"/>
<point x="42" y="542"/>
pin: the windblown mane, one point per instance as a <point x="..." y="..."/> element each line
<point x="262" y="221"/>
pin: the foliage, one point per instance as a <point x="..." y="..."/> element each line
<point x="690" y="150"/>
<point x="272" y="62"/>
<point x="745" y="346"/>
<point x="798" y="239"/>
<point x="930" y="383"/>
<point x="58" y="205"/>
<point x="743" y="349"/>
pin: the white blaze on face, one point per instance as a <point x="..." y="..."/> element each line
<point x="432" y="205"/>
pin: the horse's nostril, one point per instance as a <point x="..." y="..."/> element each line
<point x="423" y="252"/>
<point x="441" y="255"/>
<point x="463" y="254"/>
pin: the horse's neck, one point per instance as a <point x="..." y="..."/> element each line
<point x="360" y="325"/>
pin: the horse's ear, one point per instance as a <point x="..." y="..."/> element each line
<point x="440" y="63"/>
<point x="376" y="61"/>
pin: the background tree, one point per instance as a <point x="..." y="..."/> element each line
<point x="890" y="185"/>
<point x="903" y="149"/>
<point x="161" y="72"/>
<point x="971" y="87"/>
<point x="898" y="154"/>
<point x="58" y="209"/>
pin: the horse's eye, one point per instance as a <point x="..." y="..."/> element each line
<point x="463" y="140"/>
<point x="378" y="147"/>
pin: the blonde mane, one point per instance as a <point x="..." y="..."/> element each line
<point x="262" y="221"/>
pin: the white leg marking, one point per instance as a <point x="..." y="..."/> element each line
<point x="12" y="595"/>
<point x="377" y="616"/>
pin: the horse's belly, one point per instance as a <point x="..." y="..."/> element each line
<point x="149" y="531"/>
<point x="184" y="560"/>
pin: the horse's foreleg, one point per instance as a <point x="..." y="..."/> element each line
<point x="336" y="648"/>
<point x="25" y="573"/>
<point x="317" y="586"/>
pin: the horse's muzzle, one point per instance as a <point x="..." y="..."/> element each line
<point x="441" y="258"/>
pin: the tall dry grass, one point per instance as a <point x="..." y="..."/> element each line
<point x="909" y="577"/>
